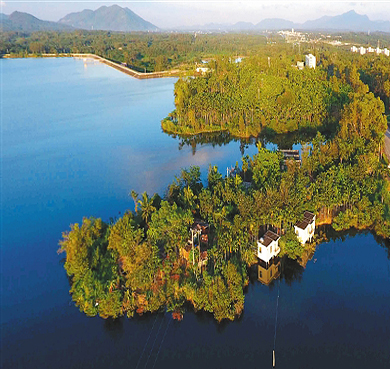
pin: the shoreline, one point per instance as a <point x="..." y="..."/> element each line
<point x="121" y="68"/>
<point x="167" y="126"/>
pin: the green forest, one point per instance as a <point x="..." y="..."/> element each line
<point x="159" y="256"/>
<point x="141" y="262"/>
<point x="145" y="52"/>
<point x="264" y="94"/>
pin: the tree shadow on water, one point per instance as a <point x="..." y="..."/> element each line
<point x="114" y="327"/>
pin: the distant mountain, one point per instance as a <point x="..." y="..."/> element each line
<point x="274" y="24"/>
<point x="18" y="21"/>
<point x="112" y="18"/>
<point x="350" y="21"/>
<point x="242" y="26"/>
<point x="115" y="18"/>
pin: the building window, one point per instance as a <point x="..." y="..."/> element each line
<point x="259" y="249"/>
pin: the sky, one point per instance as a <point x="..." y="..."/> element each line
<point x="175" y="13"/>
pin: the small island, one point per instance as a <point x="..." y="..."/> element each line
<point x="193" y="247"/>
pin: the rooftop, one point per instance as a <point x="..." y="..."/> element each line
<point x="268" y="237"/>
<point x="308" y="218"/>
<point x="302" y="224"/>
<point x="308" y="215"/>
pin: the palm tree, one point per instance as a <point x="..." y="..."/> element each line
<point x="147" y="207"/>
<point x="189" y="198"/>
<point x="134" y="195"/>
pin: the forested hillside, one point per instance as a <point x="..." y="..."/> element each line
<point x="142" y="51"/>
<point x="261" y="94"/>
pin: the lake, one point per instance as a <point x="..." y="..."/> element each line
<point x="77" y="137"/>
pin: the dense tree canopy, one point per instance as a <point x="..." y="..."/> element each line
<point x="153" y="258"/>
<point x="246" y="98"/>
<point x="139" y="263"/>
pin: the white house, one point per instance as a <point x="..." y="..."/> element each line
<point x="305" y="228"/>
<point x="362" y="50"/>
<point x="310" y="61"/>
<point x="370" y="50"/>
<point x="354" y="49"/>
<point x="268" y="246"/>
<point x="300" y="65"/>
<point x="378" y="50"/>
<point x="386" y="51"/>
<point x="202" y="70"/>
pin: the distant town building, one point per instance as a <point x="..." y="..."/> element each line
<point x="300" y="65"/>
<point x="236" y="60"/>
<point x="362" y="50"/>
<point x="305" y="229"/>
<point x="293" y="36"/>
<point x="268" y="246"/>
<point x="202" y="70"/>
<point x="310" y="61"/>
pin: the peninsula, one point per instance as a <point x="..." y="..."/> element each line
<point x="195" y="244"/>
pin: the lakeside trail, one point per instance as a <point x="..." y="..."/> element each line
<point x="122" y="68"/>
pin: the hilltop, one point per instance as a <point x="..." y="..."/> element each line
<point x="112" y="18"/>
<point x="18" y="21"/>
<point x="349" y="21"/>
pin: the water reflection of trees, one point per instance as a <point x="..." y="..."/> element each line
<point x="114" y="327"/>
<point x="282" y="141"/>
<point x="326" y="233"/>
<point x="291" y="271"/>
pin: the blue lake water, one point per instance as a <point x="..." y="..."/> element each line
<point x="76" y="139"/>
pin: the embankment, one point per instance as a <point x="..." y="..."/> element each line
<point x="120" y="67"/>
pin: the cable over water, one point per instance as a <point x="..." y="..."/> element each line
<point x="166" y="330"/>
<point x="276" y="322"/>
<point x="147" y="341"/>
<point x="154" y="342"/>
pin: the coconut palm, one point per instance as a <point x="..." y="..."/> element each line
<point x="147" y="207"/>
<point x="134" y="195"/>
